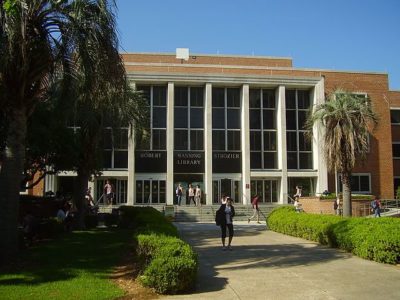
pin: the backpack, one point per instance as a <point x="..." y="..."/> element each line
<point x="373" y="204"/>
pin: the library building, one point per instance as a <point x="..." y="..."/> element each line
<point x="234" y="125"/>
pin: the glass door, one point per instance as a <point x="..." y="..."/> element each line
<point x="150" y="191"/>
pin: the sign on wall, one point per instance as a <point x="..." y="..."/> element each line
<point x="150" y="161"/>
<point x="188" y="162"/>
<point x="227" y="162"/>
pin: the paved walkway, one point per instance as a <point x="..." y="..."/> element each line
<point x="268" y="265"/>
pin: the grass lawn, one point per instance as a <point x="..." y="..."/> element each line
<point x="75" y="266"/>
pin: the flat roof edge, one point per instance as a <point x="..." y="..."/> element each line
<point x="211" y="55"/>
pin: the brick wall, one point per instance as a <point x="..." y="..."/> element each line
<point x="315" y="205"/>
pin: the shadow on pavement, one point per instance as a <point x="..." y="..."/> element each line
<point x="252" y="249"/>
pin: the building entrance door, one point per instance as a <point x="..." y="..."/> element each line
<point x="226" y="187"/>
<point x="150" y="191"/>
<point x="184" y="180"/>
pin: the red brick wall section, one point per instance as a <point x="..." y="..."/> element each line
<point x="314" y="205"/>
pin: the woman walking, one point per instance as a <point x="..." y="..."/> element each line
<point x="224" y="218"/>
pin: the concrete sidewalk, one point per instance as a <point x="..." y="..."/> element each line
<point x="268" y="265"/>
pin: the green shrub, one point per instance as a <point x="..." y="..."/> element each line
<point x="170" y="264"/>
<point x="376" y="239"/>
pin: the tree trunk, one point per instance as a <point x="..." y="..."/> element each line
<point x="10" y="183"/>
<point x="81" y="185"/>
<point x="346" y="194"/>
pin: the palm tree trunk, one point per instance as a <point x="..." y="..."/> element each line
<point x="346" y="194"/>
<point x="79" y="198"/>
<point x="10" y="183"/>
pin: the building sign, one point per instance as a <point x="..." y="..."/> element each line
<point x="188" y="162"/>
<point x="150" y="161"/>
<point x="227" y="162"/>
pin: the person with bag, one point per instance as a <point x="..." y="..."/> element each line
<point x="224" y="219"/>
<point x="376" y="207"/>
<point x="256" y="211"/>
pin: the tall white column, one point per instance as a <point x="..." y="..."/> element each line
<point x="208" y="143"/>
<point x="245" y="140"/>
<point x="318" y="97"/>
<point x="281" y="132"/>
<point x="170" y="144"/>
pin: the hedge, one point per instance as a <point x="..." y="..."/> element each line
<point x="169" y="264"/>
<point x="376" y="239"/>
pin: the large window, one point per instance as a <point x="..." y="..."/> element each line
<point x="157" y="99"/>
<point x="263" y="150"/>
<point x="189" y="118"/>
<point x="299" y="148"/>
<point x="360" y="183"/>
<point x="226" y="119"/>
<point x="115" y="148"/>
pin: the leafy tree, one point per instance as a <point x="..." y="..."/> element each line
<point x="43" y="43"/>
<point x="347" y="120"/>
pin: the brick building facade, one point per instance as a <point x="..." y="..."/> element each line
<point x="233" y="125"/>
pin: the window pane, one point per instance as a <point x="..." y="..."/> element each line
<point x="304" y="143"/>
<point x="269" y="119"/>
<point x="292" y="160"/>
<point x="255" y="118"/>
<point x="395" y="116"/>
<point x="255" y="98"/>
<point x="120" y="136"/>
<point x="302" y="115"/>
<point x="291" y="119"/>
<point x="306" y="161"/>
<point x="364" y="184"/>
<point x="159" y="139"/>
<point x="218" y="139"/>
<point x="355" y="183"/>
<point x="233" y="116"/>
<point x="291" y="141"/>
<point x="268" y="98"/>
<point x="146" y="92"/>
<point x="255" y="140"/>
<point x="162" y="191"/>
<point x="196" y="118"/>
<point x="396" y="150"/>
<point x="107" y="159"/>
<point x="181" y="139"/>
<point x="139" y="191"/>
<point x="269" y="160"/>
<point x="181" y="96"/>
<point x="290" y="97"/>
<point x="159" y="117"/>
<point x="233" y="140"/>
<point x="233" y="97"/>
<point x="218" y="97"/>
<point x="181" y="117"/>
<point x="159" y="95"/>
<point x="218" y="118"/>
<point x="270" y="140"/>
<point x="196" y="96"/>
<point x="196" y="140"/>
<point x="121" y="159"/>
<point x="255" y="160"/>
<point x="303" y="99"/>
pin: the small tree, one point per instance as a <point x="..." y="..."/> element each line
<point x="347" y="119"/>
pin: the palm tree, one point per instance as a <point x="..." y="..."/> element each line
<point x="42" y="41"/>
<point x="347" y="120"/>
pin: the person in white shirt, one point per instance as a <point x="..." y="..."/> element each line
<point x="197" y="196"/>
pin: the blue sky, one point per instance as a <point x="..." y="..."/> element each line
<point x="359" y="35"/>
